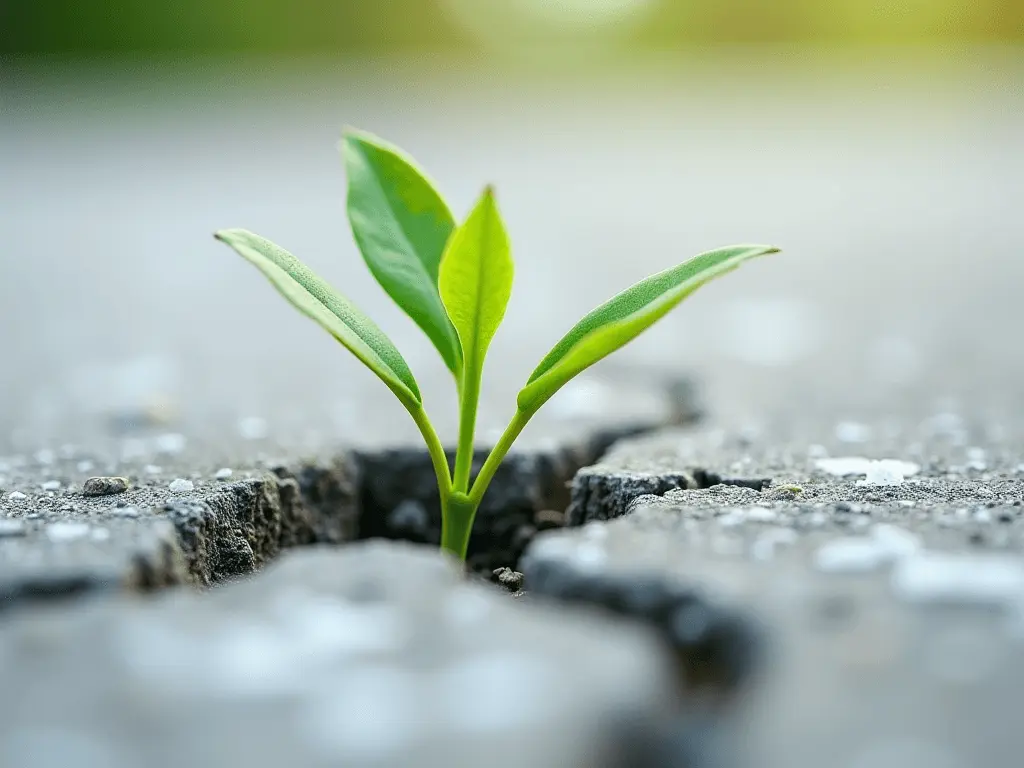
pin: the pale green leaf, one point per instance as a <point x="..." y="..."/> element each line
<point x="316" y="299"/>
<point x="626" y="316"/>
<point x="476" y="280"/>
<point x="401" y="225"/>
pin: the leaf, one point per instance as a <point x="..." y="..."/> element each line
<point x="624" y="317"/>
<point x="316" y="299"/>
<point x="476" y="280"/>
<point x="401" y="225"/>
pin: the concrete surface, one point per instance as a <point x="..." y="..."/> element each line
<point x="373" y="655"/>
<point x="887" y="330"/>
<point x="893" y="608"/>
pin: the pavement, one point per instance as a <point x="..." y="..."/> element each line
<point x="886" y="574"/>
<point x="377" y="654"/>
<point x="850" y="612"/>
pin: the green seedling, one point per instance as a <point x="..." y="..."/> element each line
<point x="454" y="281"/>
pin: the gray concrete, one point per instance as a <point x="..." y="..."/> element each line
<point x="376" y="654"/>
<point x="62" y="543"/>
<point x="888" y="329"/>
<point x="894" y="613"/>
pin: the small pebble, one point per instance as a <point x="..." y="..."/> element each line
<point x="124" y="512"/>
<point x="16" y="496"/>
<point x="181" y="485"/>
<point x="223" y="474"/>
<point x="509" y="579"/>
<point x="883" y="473"/>
<point x="104" y="486"/>
<point x="51" y="485"/>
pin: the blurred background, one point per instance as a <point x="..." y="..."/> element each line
<point x="880" y="144"/>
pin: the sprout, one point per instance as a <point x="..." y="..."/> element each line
<point x="455" y="281"/>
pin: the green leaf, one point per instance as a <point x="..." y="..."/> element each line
<point x="316" y="299"/>
<point x="476" y="280"/>
<point x="401" y="226"/>
<point x="624" y="317"/>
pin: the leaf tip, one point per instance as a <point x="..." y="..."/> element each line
<point x="227" y="235"/>
<point x="351" y="133"/>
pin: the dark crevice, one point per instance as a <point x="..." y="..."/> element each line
<point x="235" y="529"/>
<point x="717" y="648"/>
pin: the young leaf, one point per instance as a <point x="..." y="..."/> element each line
<point x="624" y="317"/>
<point x="316" y="299"/>
<point x="401" y="226"/>
<point x="476" y="281"/>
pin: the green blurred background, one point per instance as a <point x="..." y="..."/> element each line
<point x="346" y="26"/>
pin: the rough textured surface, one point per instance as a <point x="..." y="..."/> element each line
<point x="895" y="613"/>
<point x="185" y="518"/>
<point x="376" y="654"/>
<point x="61" y="542"/>
<point x="601" y="492"/>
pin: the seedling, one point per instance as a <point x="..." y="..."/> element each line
<point x="454" y="281"/>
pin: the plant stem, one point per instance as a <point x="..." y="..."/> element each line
<point x="469" y="396"/>
<point x="494" y="459"/>
<point x="436" y="451"/>
<point x="457" y="514"/>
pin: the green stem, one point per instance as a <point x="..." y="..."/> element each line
<point x="436" y="451"/>
<point x="469" y="396"/>
<point x="457" y="514"/>
<point x="497" y="454"/>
